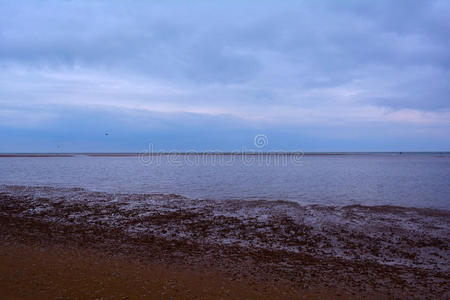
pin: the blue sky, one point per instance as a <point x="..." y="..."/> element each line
<point x="210" y="75"/>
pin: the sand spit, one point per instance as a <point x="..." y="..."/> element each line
<point x="356" y="250"/>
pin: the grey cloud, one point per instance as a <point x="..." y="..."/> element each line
<point x="321" y="44"/>
<point x="71" y="35"/>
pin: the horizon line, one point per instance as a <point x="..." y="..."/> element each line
<point x="309" y="153"/>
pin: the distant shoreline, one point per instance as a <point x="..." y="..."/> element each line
<point x="119" y="154"/>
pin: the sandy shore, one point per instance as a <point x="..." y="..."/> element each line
<point x="73" y="243"/>
<point x="52" y="272"/>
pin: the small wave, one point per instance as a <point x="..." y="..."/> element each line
<point x="392" y="209"/>
<point x="232" y="203"/>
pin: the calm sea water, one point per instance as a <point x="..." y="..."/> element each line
<point x="410" y="180"/>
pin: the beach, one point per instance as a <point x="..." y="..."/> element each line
<point x="253" y="249"/>
<point x="58" y="271"/>
<point x="224" y="149"/>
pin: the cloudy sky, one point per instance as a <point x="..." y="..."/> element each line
<point x="210" y="75"/>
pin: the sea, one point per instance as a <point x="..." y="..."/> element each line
<point x="420" y="180"/>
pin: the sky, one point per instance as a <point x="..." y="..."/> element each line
<point x="317" y="75"/>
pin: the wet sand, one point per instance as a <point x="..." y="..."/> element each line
<point x="72" y="243"/>
<point x="52" y="272"/>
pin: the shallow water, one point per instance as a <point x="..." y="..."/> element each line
<point x="411" y="180"/>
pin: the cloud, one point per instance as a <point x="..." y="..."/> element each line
<point x="291" y="65"/>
